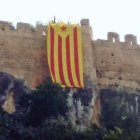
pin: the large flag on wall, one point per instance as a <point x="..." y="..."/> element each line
<point x="64" y="48"/>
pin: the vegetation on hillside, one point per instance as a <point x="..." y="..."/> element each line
<point x="44" y="116"/>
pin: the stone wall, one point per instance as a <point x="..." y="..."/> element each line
<point x="117" y="63"/>
<point x="106" y="62"/>
<point x="23" y="52"/>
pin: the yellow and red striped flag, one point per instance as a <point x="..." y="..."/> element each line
<point x="64" y="51"/>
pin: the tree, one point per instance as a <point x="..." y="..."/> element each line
<point x="48" y="101"/>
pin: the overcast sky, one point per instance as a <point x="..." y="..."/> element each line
<point x="122" y="16"/>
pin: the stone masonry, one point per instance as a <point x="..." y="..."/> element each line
<point x="106" y="62"/>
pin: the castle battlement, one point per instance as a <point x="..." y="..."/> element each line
<point x="130" y="39"/>
<point x="21" y="27"/>
<point x="113" y="40"/>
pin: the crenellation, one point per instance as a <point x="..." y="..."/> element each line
<point x="131" y="39"/>
<point x="6" y="26"/>
<point x="114" y="41"/>
<point x="84" y="22"/>
<point x="23" y="27"/>
<point x="41" y="28"/>
<point x="113" y="37"/>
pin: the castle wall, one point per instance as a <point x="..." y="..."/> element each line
<point x="23" y="53"/>
<point x="106" y="62"/>
<point x="118" y="63"/>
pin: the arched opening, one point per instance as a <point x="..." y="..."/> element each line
<point x="113" y="40"/>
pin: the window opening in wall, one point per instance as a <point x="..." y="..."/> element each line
<point x="114" y="40"/>
<point x="112" y="54"/>
<point x="131" y="42"/>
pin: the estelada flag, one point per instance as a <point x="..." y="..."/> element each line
<point x="64" y="51"/>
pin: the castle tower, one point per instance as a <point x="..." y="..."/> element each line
<point x="90" y="77"/>
<point x="89" y="65"/>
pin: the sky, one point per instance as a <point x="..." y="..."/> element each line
<point x="121" y="16"/>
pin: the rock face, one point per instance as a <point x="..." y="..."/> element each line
<point x="123" y="100"/>
<point x="11" y="91"/>
<point x="83" y="104"/>
<point x="80" y="102"/>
